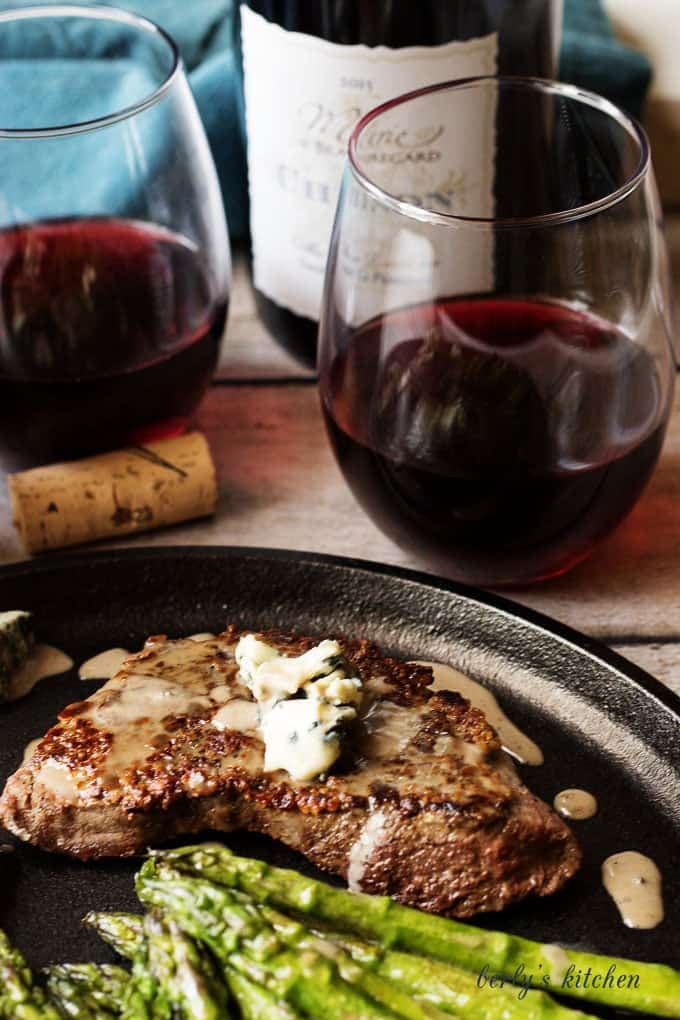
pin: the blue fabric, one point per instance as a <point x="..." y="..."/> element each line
<point x="99" y="173"/>
<point x="203" y="29"/>
<point x="593" y="58"/>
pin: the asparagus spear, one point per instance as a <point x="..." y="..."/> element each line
<point x="160" y="964"/>
<point x="151" y="993"/>
<point x="306" y="980"/>
<point x="186" y="977"/>
<point x="20" y="999"/>
<point x="199" y="989"/>
<point x="124" y="932"/>
<point x="295" y="936"/>
<point x="255" y="1002"/>
<point x="106" y="981"/>
<point x="610" y="981"/>
<point x="140" y="992"/>
<point x="87" y="991"/>
<point x="449" y="989"/>
<point x="452" y="989"/>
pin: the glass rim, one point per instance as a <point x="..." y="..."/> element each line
<point x="572" y="92"/>
<point x="95" y="12"/>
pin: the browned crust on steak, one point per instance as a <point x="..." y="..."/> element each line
<point x="450" y="872"/>
<point x="457" y="837"/>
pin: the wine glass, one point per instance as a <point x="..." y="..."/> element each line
<point x="495" y="346"/>
<point x="114" y="254"/>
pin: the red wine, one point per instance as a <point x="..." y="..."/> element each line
<point x="500" y="439"/>
<point x="109" y="334"/>
<point x="297" y="137"/>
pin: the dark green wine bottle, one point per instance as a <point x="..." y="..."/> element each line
<point x="312" y="68"/>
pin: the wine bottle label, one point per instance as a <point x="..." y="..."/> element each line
<point x="303" y="97"/>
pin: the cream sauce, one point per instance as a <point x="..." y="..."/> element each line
<point x="470" y="754"/>
<point x="559" y="963"/>
<point x="30" y="749"/>
<point x="177" y="678"/>
<point x="57" y="779"/>
<point x="133" y="707"/>
<point x="387" y="729"/>
<point x="185" y="678"/>
<point x="634" y="883"/>
<point x="44" y="661"/>
<point x="576" y="805"/>
<point x="204" y="635"/>
<point x="238" y="714"/>
<point x="149" y="698"/>
<point x="514" y="741"/>
<point x="222" y="693"/>
<point x="103" y="666"/>
<point x="363" y="849"/>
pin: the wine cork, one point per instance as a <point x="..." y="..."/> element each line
<point x="114" y="494"/>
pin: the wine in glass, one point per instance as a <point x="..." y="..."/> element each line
<point x="495" y="359"/>
<point x="114" y="255"/>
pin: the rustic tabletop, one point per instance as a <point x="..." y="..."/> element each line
<point x="280" y="487"/>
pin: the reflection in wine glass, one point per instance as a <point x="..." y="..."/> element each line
<point x="495" y="365"/>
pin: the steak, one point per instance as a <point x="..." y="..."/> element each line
<point x="423" y="804"/>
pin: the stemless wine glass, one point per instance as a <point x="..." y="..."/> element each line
<point x="495" y="347"/>
<point x="114" y="255"/>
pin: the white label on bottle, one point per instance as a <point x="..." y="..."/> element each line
<point x="303" y="97"/>
<point x="436" y="152"/>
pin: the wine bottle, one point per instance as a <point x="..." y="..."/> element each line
<point x="312" y="68"/>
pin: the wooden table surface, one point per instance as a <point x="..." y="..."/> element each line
<point x="280" y="487"/>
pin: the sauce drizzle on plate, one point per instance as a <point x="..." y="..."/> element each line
<point x="514" y="741"/>
<point x="44" y="661"/>
<point x="575" y="805"/>
<point x="634" y="883"/>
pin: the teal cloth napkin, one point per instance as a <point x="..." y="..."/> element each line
<point x="593" y="58"/>
<point x="203" y="29"/>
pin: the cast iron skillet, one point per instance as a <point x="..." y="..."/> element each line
<point x="603" y="723"/>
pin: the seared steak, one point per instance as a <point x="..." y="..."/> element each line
<point x="423" y="805"/>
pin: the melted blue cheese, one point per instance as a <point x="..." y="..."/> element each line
<point x="304" y="700"/>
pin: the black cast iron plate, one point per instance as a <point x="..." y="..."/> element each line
<point x="604" y="725"/>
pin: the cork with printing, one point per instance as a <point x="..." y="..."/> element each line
<point x="114" y="494"/>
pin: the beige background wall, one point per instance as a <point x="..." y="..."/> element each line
<point x="654" y="27"/>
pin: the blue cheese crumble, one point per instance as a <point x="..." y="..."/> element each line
<point x="305" y="701"/>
